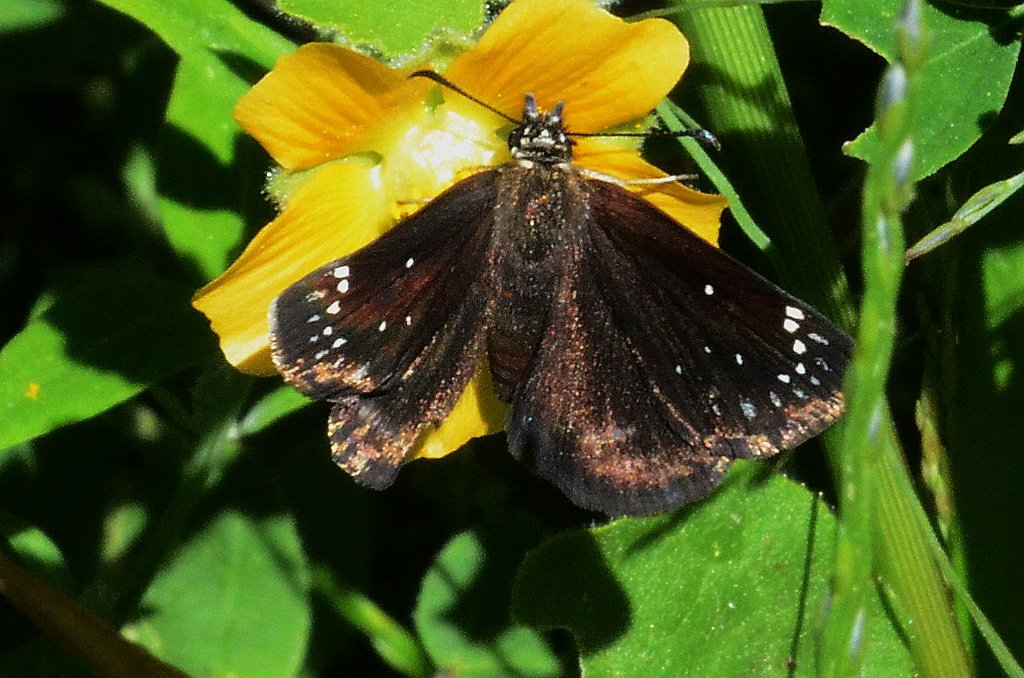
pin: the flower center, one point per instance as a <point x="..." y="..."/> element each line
<point x="430" y="149"/>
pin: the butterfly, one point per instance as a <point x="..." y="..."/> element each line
<point x="637" y="360"/>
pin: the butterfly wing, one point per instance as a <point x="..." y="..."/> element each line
<point x="392" y="333"/>
<point x="665" y="360"/>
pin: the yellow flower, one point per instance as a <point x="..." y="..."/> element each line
<point x="360" y="145"/>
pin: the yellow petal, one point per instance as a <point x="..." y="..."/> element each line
<point x="699" y="212"/>
<point x="337" y="211"/>
<point x="606" y="70"/>
<point x="321" y="102"/>
<point x="477" y="413"/>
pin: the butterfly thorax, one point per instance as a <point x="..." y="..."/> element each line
<point x="541" y="209"/>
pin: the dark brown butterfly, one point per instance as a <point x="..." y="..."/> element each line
<point x="638" y="360"/>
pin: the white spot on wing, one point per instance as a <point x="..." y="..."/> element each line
<point x="774" y="397"/>
<point x="334" y="307"/>
<point x="709" y="290"/>
<point x="409" y="262"/>
<point x="343" y="286"/>
<point x="339" y="342"/>
<point x="679" y="369"/>
<point x="739" y="359"/>
<point x="791" y="325"/>
<point x="341" y="272"/>
<point x="799" y="347"/>
<point x="784" y="378"/>
<point x="328" y="331"/>
<point x="795" y="313"/>
<point x="749" y="411"/>
<point x="383" y="326"/>
<point x="815" y="381"/>
<point x="814" y="336"/>
<point x="800" y="369"/>
<point x="408" y="320"/>
<point x="313" y="318"/>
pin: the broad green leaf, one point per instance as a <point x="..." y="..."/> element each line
<point x="970" y="61"/>
<point x="462" y="615"/>
<point x="209" y="178"/>
<point x="233" y="602"/>
<point x="203" y="29"/>
<point x="208" y="181"/>
<point x="392" y="28"/>
<point x="734" y="586"/>
<point x="102" y="337"/>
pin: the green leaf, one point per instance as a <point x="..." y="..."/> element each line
<point x="233" y="602"/>
<point x="101" y="338"/>
<point x="985" y="359"/>
<point x="209" y="181"/>
<point x="35" y="550"/>
<point x="463" y="608"/>
<point x="27" y="14"/>
<point x="733" y="586"/>
<point x="272" y="407"/>
<point x="204" y="29"/>
<point x="395" y="645"/>
<point x="977" y="206"/>
<point x="392" y="28"/>
<point x="971" y="60"/>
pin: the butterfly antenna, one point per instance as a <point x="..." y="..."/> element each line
<point x="448" y="84"/>
<point x="702" y="136"/>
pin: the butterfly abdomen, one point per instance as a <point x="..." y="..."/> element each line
<point x="540" y="206"/>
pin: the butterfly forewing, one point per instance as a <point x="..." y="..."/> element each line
<point x="765" y="366"/>
<point x="665" y="360"/>
<point x="392" y="333"/>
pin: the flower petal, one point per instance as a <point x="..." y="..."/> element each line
<point x="699" y="212"/>
<point x="320" y="102"/>
<point x="337" y="211"/>
<point x="608" y="71"/>
<point x="478" y="412"/>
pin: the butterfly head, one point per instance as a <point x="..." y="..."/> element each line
<point x="541" y="137"/>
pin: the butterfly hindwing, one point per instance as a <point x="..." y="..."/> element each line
<point x="392" y="333"/>
<point x="660" y="372"/>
